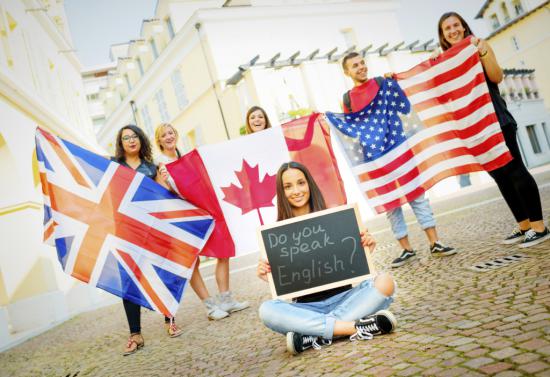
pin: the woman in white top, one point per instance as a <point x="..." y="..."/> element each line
<point x="166" y="138"/>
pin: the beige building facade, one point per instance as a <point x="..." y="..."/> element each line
<point x="179" y="69"/>
<point x="520" y="37"/>
<point x="40" y="84"/>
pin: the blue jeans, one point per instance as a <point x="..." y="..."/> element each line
<point x="423" y="212"/>
<point x="318" y="318"/>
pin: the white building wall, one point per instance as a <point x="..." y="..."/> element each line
<point x="40" y="84"/>
<point x="236" y="35"/>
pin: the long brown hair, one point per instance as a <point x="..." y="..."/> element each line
<point x="316" y="199"/>
<point x="145" y="152"/>
<point x="442" y="41"/>
<point x="250" y="111"/>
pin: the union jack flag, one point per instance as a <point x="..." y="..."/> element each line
<point x="434" y="121"/>
<point x="115" y="228"/>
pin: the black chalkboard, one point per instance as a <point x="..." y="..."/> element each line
<point x="314" y="252"/>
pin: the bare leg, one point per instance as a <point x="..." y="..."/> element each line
<point x="404" y="242"/>
<point x="343" y="328"/>
<point x="432" y="235"/>
<point x="198" y="284"/>
<point x="537" y="226"/>
<point x="222" y="274"/>
<point x="385" y="285"/>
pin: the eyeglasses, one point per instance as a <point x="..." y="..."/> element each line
<point x="128" y="137"/>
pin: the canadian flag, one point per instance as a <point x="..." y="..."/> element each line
<point x="235" y="180"/>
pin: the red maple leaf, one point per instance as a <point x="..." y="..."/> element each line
<point x="254" y="194"/>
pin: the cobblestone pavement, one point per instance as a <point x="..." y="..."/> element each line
<point x="452" y="321"/>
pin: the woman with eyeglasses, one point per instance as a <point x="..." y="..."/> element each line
<point x="133" y="150"/>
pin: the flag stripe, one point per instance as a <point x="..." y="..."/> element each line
<point x="464" y="169"/>
<point x="460" y="113"/>
<point x="178" y="214"/>
<point x="143" y="282"/>
<point x="436" y="91"/>
<point x="449" y="75"/>
<point x="420" y="143"/>
<point x="435" y="159"/>
<point x="446" y="57"/>
<point x="451" y="95"/>
<point x="66" y="160"/>
<point x="454" y="104"/>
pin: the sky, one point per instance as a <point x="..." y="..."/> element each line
<point x="96" y="25"/>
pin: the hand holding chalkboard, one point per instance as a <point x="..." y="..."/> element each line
<point x="263" y="269"/>
<point x="314" y="252"/>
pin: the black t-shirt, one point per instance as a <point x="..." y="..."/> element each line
<point x="504" y="116"/>
<point x="146" y="168"/>
<point x="320" y="296"/>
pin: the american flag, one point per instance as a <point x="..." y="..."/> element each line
<point x="116" y="229"/>
<point x="434" y="121"/>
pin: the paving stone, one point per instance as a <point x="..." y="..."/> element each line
<point x="513" y="318"/>
<point x="534" y="344"/>
<point x="509" y="373"/>
<point x="478" y="362"/>
<point x="452" y="372"/>
<point x="504" y="353"/>
<point x="534" y="367"/>
<point x="410" y="371"/>
<point x="495" y="368"/>
<point x="524" y="358"/>
<point x="460" y="342"/>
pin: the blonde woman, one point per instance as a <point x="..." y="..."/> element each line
<point x="166" y="138"/>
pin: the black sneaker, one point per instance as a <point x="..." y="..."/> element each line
<point x="298" y="343"/>
<point x="515" y="237"/>
<point x="533" y="238"/>
<point x="406" y="256"/>
<point x="382" y="322"/>
<point x="438" y="250"/>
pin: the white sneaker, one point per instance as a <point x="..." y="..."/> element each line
<point x="213" y="311"/>
<point x="230" y="305"/>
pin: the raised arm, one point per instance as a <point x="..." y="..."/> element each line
<point x="488" y="60"/>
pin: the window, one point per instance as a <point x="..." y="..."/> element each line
<point x="517" y="7"/>
<point x="146" y="117"/>
<point x="92" y="97"/>
<point x="349" y="37"/>
<point x="179" y="89"/>
<point x="533" y="138"/>
<point x="546" y="133"/>
<point x="194" y="137"/>
<point x="127" y="80"/>
<point x="505" y="12"/>
<point x="161" y="103"/>
<point x="154" y="48"/>
<point x="140" y="66"/>
<point x="515" y="43"/>
<point x="494" y="21"/>
<point x="169" y="27"/>
<point x="98" y="122"/>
